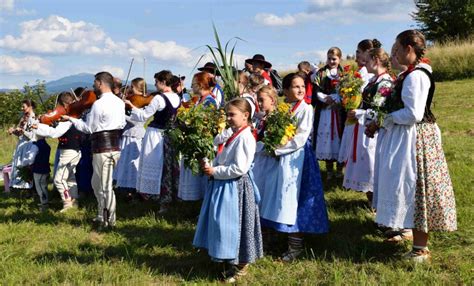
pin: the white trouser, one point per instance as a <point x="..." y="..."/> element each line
<point x="41" y="185"/>
<point x="103" y="165"/>
<point x="65" y="177"/>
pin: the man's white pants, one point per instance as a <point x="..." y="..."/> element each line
<point x="103" y="165"/>
<point x="65" y="177"/>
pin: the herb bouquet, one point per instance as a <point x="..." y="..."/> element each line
<point x="193" y="136"/>
<point x="349" y="87"/>
<point x="280" y="128"/>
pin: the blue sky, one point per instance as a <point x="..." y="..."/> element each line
<point x="50" y="39"/>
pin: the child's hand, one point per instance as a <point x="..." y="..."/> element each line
<point x="329" y="100"/>
<point x="351" y="114"/>
<point x="208" y="170"/>
<point x="65" y="117"/>
<point x="34" y="126"/>
<point x="370" y="129"/>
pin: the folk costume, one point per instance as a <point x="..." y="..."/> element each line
<point x="413" y="187"/>
<point x="292" y="195"/>
<point x="229" y="221"/>
<point x="360" y="160"/>
<point x="104" y="122"/>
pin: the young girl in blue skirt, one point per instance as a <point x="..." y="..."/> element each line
<point x="293" y="200"/>
<point x="229" y="222"/>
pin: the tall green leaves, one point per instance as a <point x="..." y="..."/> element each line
<point x="224" y="60"/>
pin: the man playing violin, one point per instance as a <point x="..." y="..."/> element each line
<point x="104" y="122"/>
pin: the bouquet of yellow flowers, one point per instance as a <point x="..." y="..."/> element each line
<point x="193" y="135"/>
<point x="280" y="128"/>
<point x="349" y="87"/>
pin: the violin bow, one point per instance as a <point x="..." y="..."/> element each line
<point x="128" y="76"/>
<point x="144" y="78"/>
<point x="73" y="93"/>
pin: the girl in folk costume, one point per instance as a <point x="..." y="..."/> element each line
<point x="414" y="187"/>
<point x="24" y="133"/>
<point x="363" y="48"/>
<point x="293" y="200"/>
<point x="267" y="101"/>
<point x="163" y="107"/>
<point x="329" y="117"/>
<point x="229" y="222"/>
<point x="359" y="173"/>
<point x="127" y="167"/>
<point x="192" y="187"/>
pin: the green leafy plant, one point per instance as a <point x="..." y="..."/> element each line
<point x="194" y="134"/>
<point x="224" y="60"/>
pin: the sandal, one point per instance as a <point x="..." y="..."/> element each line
<point x="418" y="255"/>
<point x="400" y="236"/>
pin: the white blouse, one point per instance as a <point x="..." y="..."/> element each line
<point x="158" y="103"/>
<point x="304" y="116"/>
<point x="236" y="159"/>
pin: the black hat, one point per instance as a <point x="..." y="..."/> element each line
<point x="209" y="67"/>
<point x="260" y="59"/>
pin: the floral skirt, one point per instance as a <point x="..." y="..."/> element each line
<point x="435" y="207"/>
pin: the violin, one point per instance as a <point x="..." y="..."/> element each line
<point x="139" y="100"/>
<point x="75" y="109"/>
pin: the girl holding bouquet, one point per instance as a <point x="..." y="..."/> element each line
<point x="229" y="222"/>
<point x="293" y="200"/>
<point x="414" y="187"/>
<point x="363" y="47"/>
<point x="359" y="174"/>
<point x="329" y="117"/>
<point x="192" y="187"/>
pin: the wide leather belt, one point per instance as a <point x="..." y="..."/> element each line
<point x="106" y="141"/>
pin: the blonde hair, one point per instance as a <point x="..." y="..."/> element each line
<point x="382" y="56"/>
<point x="139" y="84"/>
<point x="243" y="105"/>
<point x="335" y="51"/>
<point x="270" y="91"/>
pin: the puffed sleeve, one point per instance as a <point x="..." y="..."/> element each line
<point x="414" y="95"/>
<point x="243" y="155"/>
<point x="143" y="114"/>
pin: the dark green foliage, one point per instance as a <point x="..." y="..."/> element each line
<point x="444" y="20"/>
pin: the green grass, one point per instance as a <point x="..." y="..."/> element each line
<point x="452" y="60"/>
<point x="54" y="248"/>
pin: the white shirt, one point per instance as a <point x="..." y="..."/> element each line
<point x="53" y="132"/>
<point x="107" y="113"/>
<point x="234" y="160"/>
<point x="158" y="103"/>
<point x="304" y="116"/>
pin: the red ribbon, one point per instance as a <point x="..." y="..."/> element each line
<point x="354" y="143"/>
<point x="296" y="106"/>
<point x="220" y="147"/>
<point x="335" y="121"/>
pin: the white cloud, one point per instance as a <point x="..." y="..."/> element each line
<point x="115" y="71"/>
<point x="312" y="56"/>
<point x="164" y="51"/>
<point x="267" y="19"/>
<point x="29" y="65"/>
<point x="7" y="5"/>
<point x="25" y="12"/>
<point x="343" y="11"/>
<point x="57" y="35"/>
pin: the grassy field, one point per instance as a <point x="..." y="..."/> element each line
<point x="54" y="248"/>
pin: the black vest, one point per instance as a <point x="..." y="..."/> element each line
<point x="164" y="118"/>
<point x="394" y="102"/>
<point x="72" y="139"/>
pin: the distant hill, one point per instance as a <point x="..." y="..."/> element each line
<point x="72" y="81"/>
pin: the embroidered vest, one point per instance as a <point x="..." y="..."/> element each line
<point x="164" y="118"/>
<point x="72" y="139"/>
